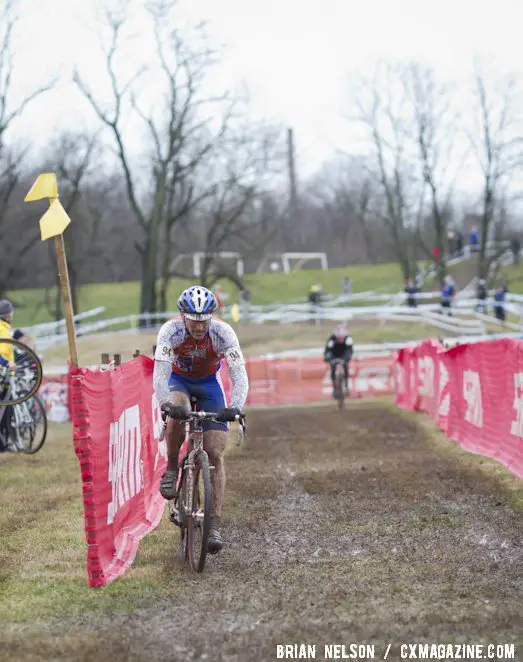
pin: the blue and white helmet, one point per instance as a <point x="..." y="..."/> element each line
<point x="197" y="303"/>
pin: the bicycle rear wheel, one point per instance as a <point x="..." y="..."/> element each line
<point x="199" y="519"/>
<point x="340" y="393"/>
<point x="24" y="382"/>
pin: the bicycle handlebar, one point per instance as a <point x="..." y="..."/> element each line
<point x="203" y="416"/>
<point x="200" y="415"/>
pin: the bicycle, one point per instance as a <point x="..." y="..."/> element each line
<point x="190" y="510"/>
<point x="20" y="425"/>
<point x="21" y="383"/>
<point x="339" y="382"/>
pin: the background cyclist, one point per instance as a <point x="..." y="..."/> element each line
<point x="339" y="346"/>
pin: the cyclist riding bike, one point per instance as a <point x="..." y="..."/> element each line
<point x="339" y="346"/>
<point x="189" y="350"/>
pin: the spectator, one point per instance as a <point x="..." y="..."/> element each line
<point x="515" y="247"/>
<point x="244" y="304"/>
<point x="481" y="295"/>
<point x="418" y="279"/>
<point x="435" y="254"/>
<point x="314" y="299"/>
<point x="451" y="239"/>
<point x="448" y="292"/>
<point x="474" y="240"/>
<point x="459" y="243"/>
<point x="411" y="290"/>
<point x="499" y="302"/>
<point x="220" y="298"/>
<point x="347" y="288"/>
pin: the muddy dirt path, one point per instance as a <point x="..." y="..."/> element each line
<point x="344" y="528"/>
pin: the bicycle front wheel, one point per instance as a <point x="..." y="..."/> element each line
<point x="199" y="519"/>
<point x="181" y="508"/>
<point x="17" y="386"/>
<point x="340" y="394"/>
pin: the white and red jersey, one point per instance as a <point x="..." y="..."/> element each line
<point x="197" y="359"/>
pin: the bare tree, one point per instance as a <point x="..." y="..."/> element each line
<point x="174" y="128"/>
<point x="346" y="194"/>
<point x="434" y="135"/>
<point x="499" y="149"/>
<point x="236" y="179"/>
<point x="383" y="107"/>
<point x="12" y="158"/>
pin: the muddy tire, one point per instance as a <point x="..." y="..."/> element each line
<point x="339" y="393"/>
<point x="199" y="520"/>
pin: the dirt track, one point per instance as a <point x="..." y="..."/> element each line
<point x="341" y="528"/>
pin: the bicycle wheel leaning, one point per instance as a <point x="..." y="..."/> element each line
<point x="27" y="426"/>
<point x="17" y="386"/>
<point x="199" y="517"/>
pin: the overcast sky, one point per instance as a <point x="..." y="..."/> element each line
<point x="294" y="54"/>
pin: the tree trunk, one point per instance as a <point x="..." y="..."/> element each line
<point x="148" y="280"/>
<point x="484" y="262"/>
<point x="164" y="271"/>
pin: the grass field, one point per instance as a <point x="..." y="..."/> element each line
<point x="513" y="276"/>
<point x="384" y="531"/>
<point x="122" y="299"/>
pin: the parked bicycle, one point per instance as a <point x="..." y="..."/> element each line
<point x="190" y="510"/>
<point x="23" y="427"/>
<point x="21" y="382"/>
<point x="339" y="393"/>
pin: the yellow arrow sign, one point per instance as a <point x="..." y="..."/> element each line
<point x="45" y="186"/>
<point x="55" y="220"/>
<point x="52" y="224"/>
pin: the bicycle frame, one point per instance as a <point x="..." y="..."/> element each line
<point x="191" y="446"/>
<point x="190" y="509"/>
<point x="339" y="378"/>
<point x="22" y="416"/>
<point x="338" y="369"/>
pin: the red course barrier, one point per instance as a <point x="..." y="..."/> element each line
<point x="116" y="424"/>
<point x="474" y="392"/>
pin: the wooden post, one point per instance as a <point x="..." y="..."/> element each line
<point x="53" y="224"/>
<point x="66" y="295"/>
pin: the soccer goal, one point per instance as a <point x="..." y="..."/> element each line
<point x="289" y="262"/>
<point x="197" y="258"/>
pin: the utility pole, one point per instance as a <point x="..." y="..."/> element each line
<point x="292" y="177"/>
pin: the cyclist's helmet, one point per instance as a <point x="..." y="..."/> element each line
<point x="197" y="303"/>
